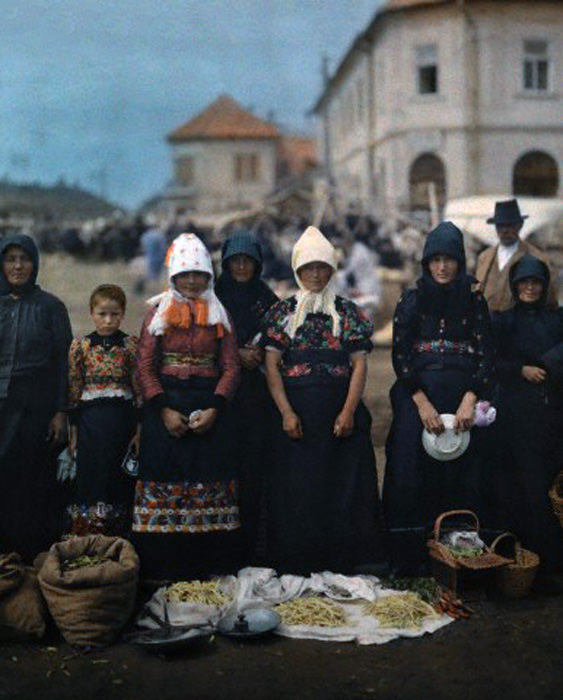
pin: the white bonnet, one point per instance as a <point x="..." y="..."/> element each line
<point x="187" y="253"/>
<point x="312" y="246"/>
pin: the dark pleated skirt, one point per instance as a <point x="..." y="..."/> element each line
<point x="105" y="429"/>
<point x="323" y="505"/>
<point x="103" y="497"/>
<point x="418" y="488"/>
<point x="31" y="500"/>
<point x="254" y="414"/>
<point x="530" y="455"/>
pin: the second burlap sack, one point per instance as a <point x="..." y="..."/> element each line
<point x="22" y="611"/>
<point x="92" y="604"/>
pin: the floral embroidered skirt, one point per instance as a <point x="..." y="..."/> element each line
<point x="187" y="487"/>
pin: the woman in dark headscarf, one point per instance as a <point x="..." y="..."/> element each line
<point x="529" y="339"/>
<point x="443" y="359"/>
<point x="34" y="345"/>
<point x="246" y="296"/>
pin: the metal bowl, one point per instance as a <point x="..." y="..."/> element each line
<point x="253" y="622"/>
<point x="170" y="639"/>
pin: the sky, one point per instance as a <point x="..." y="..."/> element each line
<point x="89" y="89"/>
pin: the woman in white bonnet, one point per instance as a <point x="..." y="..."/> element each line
<point x="186" y="506"/>
<point x="323" y="505"/>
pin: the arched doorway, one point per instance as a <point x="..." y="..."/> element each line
<point x="427" y="169"/>
<point x="535" y="175"/>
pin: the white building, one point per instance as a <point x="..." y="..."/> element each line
<point x="466" y="94"/>
<point x="224" y="158"/>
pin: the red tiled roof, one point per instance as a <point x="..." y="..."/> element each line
<point x="224" y="119"/>
<point x="299" y="154"/>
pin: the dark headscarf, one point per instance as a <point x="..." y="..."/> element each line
<point x="445" y="300"/>
<point x="531" y="332"/>
<point x="243" y="300"/>
<point x="529" y="266"/>
<point x="28" y="245"/>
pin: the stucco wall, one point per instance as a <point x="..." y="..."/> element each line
<point x="215" y="187"/>
<point x="480" y="121"/>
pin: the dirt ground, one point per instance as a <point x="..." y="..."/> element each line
<point x="508" y="649"/>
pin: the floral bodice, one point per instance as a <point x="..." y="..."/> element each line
<point x="99" y="370"/>
<point x="315" y="351"/>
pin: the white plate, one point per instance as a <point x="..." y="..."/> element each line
<point x="449" y="445"/>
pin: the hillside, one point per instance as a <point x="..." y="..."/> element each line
<point x="60" y="202"/>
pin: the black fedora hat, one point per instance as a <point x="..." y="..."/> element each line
<point x="507" y="213"/>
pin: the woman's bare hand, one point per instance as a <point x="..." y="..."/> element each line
<point x="135" y="443"/>
<point x="204" y="421"/>
<point x="535" y="375"/>
<point x="250" y="358"/>
<point x="430" y="418"/>
<point x="292" y="425"/>
<point x="344" y="424"/>
<point x="58" y="429"/>
<point x="176" y="423"/>
<point x="465" y="414"/>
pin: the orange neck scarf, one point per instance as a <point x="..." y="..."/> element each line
<point x="182" y="314"/>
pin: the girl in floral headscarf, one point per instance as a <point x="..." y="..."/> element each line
<point x="186" y="496"/>
<point x="323" y="503"/>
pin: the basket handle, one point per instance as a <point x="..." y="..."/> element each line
<point x="501" y="537"/>
<point x="449" y="513"/>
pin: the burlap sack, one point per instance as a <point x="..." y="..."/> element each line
<point x="22" y="611"/>
<point x="12" y="571"/>
<point x="91" y="605"/>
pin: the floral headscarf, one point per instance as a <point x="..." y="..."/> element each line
<point x="187" y="254"/>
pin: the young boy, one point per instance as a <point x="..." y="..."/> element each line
<point x="104" y="405"/>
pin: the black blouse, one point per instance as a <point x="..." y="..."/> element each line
<point x="527" y="335"/>
<point x="422" y="340"/>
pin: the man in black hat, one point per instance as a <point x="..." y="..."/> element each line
<point x="494" y="263"/>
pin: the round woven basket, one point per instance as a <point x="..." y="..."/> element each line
<point x="555" y="494"/>
<point x="516" y="579"/>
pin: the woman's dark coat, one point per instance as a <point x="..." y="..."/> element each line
<point x="35" y="336"/>
<point x="530" y="417"/>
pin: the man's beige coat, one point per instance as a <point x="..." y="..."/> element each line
<point x="494" y="282"/>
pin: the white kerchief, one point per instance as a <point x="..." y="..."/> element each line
<point x="312" y="246"/>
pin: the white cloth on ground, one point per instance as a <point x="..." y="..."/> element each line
<point x="260" y="587"/>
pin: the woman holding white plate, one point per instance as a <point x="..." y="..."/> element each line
<point x="443" y="359"/>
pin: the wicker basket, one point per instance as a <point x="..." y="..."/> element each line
<point x="516" y="579"/>
<point x="556" y="497"/>
<point x="440" y="552"/>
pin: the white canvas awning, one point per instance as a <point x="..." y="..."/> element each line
<point x="470" y="214"/>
